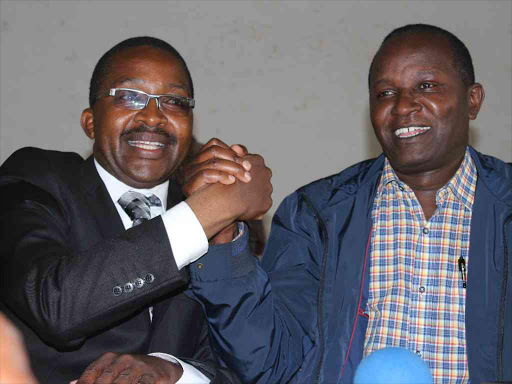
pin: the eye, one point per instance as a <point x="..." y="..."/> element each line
<point x="385" y="93"/>
<point x="124" y="97"/>
<point x="426" y="85"/>
<point x="174" y="102"/>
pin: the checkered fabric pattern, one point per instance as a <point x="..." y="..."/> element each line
<point x="416" y="296"/>
<point x="138" y="206"/>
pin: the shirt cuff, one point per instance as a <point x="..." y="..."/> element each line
<point x="186" y="235"/>
<point x="191" y="375"/>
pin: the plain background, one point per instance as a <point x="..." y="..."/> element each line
<point x="286" y="78"/>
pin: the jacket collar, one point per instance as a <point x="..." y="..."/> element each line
<point x="495" y="174"/>
<point x="99" y="201"/>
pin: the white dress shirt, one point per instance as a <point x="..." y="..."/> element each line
<point x="186" y="236"/>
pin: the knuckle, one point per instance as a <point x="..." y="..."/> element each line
<point x="126" y="358"/>
<point x="212" y="151"/>
<point x="108" y="355"/>
<point x="146" y="379"/>
<point x="212" y="141"/>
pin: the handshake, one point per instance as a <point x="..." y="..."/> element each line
<point x="226" y="184"/>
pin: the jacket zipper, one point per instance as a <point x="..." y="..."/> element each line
<point x="320" y="316"/>
<point x="360" y="312"/>
<point x="501" y="319"/>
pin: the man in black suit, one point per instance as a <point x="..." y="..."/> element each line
<point x="84" y="270"/>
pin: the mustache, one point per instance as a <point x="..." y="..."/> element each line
<point x="143" y="128"/>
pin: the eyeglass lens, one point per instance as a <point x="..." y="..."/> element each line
<point x="135" y="100"/>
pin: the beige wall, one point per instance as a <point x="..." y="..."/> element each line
<point x="286" y="78"/>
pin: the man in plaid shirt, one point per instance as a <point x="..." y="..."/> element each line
<point x="412" y="250"/>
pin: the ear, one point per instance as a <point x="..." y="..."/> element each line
<point x="87" y="123"/>
<point x="476" y="96"/>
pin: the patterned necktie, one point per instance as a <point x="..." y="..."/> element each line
<point x="138" y="206"/>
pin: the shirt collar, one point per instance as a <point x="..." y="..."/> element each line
<point x="462" y="184"/>
<point x="117" y="188"/>
<point x="388" y="174"/>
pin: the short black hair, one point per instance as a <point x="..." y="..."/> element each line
<point x="460" y="54"/>
<point x="102" y="68"/>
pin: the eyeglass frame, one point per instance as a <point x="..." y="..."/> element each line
<point x="112" y="92"/>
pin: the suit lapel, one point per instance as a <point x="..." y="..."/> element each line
<point x="99" y="201"/>
<point x="175" y="195"/>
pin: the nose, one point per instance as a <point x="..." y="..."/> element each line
<point x="405" y="104"/>
<point x="151" y="115"/>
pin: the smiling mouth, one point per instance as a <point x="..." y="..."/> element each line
<point x="149" y="145"/>
<point x="408" y="132"/>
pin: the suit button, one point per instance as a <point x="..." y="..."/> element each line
<point x="149" y="278"/>
<point x="139" y="282"/>
<point x="128" y="287"/>
<point x="117" y="291"/>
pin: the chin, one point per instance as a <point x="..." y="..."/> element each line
<point x="412" y="165"/>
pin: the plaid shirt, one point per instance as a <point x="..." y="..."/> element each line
<point x="416" y="296"/>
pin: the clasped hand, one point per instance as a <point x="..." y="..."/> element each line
<point x="235" y="185"/>
<point x="113" y="368"/>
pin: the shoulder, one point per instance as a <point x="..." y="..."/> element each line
<point x="350" y="181"/>
<point x="494" y="174"/>
<point x="35" y="165"/>
<point x="325" y="194"/>
<point x="42" y="176"/>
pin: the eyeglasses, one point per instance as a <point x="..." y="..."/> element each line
<point x="135" y="100"/>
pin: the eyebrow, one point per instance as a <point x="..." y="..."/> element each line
<point x="418" y="73"/>
<point x="129" y="80"/>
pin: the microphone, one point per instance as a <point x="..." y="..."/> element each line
<point x="393" y="365"/>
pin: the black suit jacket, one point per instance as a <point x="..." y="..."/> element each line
<point x="64" y="249"/>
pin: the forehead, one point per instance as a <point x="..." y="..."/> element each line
<point x="421" y="51"/>
<point x="154" y="69"/>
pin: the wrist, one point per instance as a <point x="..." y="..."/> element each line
<point x="226" y="235"/>
<point x="215" y="207"/>
<point x="175" y="371"/>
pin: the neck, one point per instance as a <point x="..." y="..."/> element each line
<point x="425" y="184"/>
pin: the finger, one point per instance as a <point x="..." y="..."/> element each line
<point x="123" y="369"/>
<point x="109" y="375"/>
<point x="220" y="165"/>
<point x="255" y="159"/>
<point x="241" y="150"/>
<point x="216" y="142"/>
<point x="204" y="178"/>
<point x="96" y="368"/>
<point x="146" y="379"/>
<point x="217" y="152"/>
<point x="125" y="377"/>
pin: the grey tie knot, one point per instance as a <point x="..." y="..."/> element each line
<point x="137" y="206"/>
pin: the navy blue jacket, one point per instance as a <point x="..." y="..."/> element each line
<point x="296" y="317"/>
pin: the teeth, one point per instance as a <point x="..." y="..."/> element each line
<point x="410" y="131"/>
<point x="151" y="145"/>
